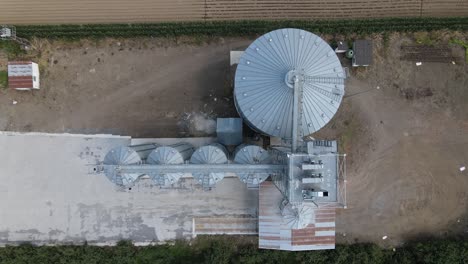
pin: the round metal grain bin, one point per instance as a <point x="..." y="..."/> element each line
<point x="122" y="156"/>
<point x="173" y="154"/>
<point x="251" y="154"/>
<point x="264" y="82"/>
<point x="210" y="154"/>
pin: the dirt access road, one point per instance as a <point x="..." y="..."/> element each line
<point x="124" y="11"/>
<point x="405" y="141"/>
<point x="406" y="137"/>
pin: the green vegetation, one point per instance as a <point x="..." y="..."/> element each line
<point x="240" y="28"/>
<point x="3" y="79"/>
<point x="351" y="128"/>
<point x="425" y="38"/>
<point x="11" y="48"/>
<point x="463" y="44"/>
<point x="386" y="40"/>
<point x="237" y="250"/>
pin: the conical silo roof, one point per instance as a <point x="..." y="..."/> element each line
<point x="122" y="156"/>
<point x="297" y="217"/>
<point x="161" y="156"/>
<point x="251" y="154"/>
<point x="165" y="155"/>
<point x="264" y="89"/>
<point x="209" y="154"/>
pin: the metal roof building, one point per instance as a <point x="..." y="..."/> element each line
<point x="278" y="232"/>
<point x="265" y="77"/>
<point x="362" y="53"/>
<point x="23" y="75"/>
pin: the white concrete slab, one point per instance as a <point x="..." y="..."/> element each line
<point x="47" y="195"/>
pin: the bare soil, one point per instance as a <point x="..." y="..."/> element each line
<point x="405" y="130"/>
<point x="142" y="88"/>
<point x="404" y="152"/>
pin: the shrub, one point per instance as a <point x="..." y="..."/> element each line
<point x="224" y="249"/>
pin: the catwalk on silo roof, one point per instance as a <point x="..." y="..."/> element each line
<point x="264" y="82"/>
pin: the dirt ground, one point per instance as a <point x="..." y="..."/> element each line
<point x="404" y="127"/>
<point x="405" y="130"/>
<point x="147" y="88"/>
<point x="118" y="11"/>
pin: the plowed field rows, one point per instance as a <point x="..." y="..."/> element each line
<point x="114" y="11"/>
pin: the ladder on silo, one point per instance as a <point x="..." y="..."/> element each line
<point x="326" y="80"/>
<point x="206" y="181"/>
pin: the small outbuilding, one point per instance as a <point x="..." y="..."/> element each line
<point x="23" y="75"/>
<point x="229" y="131"/>
<point x="341" y="47"/>
<point x="362" y="53"/>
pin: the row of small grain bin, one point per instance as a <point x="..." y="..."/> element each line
<point x="181" y="153"/>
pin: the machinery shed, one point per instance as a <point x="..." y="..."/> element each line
<point x="23" y="75"/>
<point x="362" y="52"/>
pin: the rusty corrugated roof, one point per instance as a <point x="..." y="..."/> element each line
<point x="274" y="234"/>
<point x="20" y="82"/>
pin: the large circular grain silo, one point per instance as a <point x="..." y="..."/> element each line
<point x="210" y="154"/>
<point x="173" y="154"/>
<point x="122" y="156"/>
<point x="251" y="154"/>
<point x="266" y="76"/>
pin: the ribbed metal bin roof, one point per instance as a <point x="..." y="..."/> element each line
<point x="297" y="217"/>
<point x="263" y="91"/>
<point x="165" y="155"/>
<point x="209" y="154"/>
<point x="122" y="156"/>
<point x="251" y="154"/>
